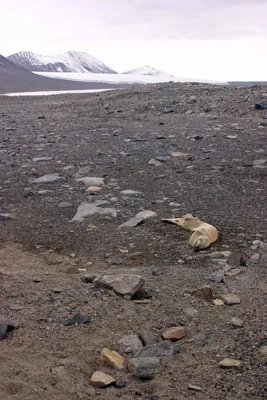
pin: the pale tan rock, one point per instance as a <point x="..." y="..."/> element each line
<point x="263" y="352"/>
<point x="101" y="380"/>
<point x="231" y="299"/>
<point x="204" y="292"/>
<point x="236" y="271"/>
<point x="112" y="358"/>
<point x="237" y="322"/>
<point x="230" y="363"/>
<point x="218" y="302"/>
<point x="174" y="333"/>
<point x="93" y="189"/>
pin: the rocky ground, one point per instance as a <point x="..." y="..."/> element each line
<point x="75" y="282"/>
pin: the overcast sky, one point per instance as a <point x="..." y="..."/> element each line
<point x="208" y="39"/>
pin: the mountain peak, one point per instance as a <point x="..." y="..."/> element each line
<point x="72" y="61"/>
<point x="147" y="70"/>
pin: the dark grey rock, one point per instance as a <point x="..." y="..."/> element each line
<point x="5" y="327"/>
<point x="78" y="319"/>
<point x="144" y="368"/>
<point x="157" y="350"/>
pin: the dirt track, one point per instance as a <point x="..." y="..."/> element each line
<point x="116" y="135"/>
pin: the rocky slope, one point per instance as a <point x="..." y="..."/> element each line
<point x="72" y="61"/>
<point x="85" y="183"/>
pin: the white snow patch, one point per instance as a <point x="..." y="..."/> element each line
<point x="50" y="93"/>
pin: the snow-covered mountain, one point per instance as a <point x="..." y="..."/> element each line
<point x="146" y="70"/>
<point x="72" y="61"/>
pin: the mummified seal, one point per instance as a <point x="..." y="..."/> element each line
<point x="203" y="234"/>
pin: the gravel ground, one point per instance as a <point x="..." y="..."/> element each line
<point x="183" y="148"/>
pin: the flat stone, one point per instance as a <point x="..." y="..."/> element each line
<point x="164" y="348"/>
<point x="236" y="271"/>
<point x="263" y="352"/>
<point x="49" y="178"/>
<point x="93" y="189"/>
<point x="83" y="171"/>
<point x="219" y="254"/>
<point x="174" y="333"/>
<point x="218" y="302"/>
<point x="143" y="368"/>
<point x="101" y="380"/>
<point x="230" y="299"/>
<point x="126" y="285"/>
<point x="5" y="327"/>
<point x="217" y="276"/>
<point x="261" y="162"/>
<point x="37" y="159"/>
<point x="89" y="278"/>
<point x="130" y="192"/>
<point x="152" y="161"/>
<point x="138" y="218"/>
<point x="254" y="258"/>
<point x="230" y="363"/>
<point x="91" y="181"/>
<point x="65" y="204"/>
<point x="192" y="312"/>
<point x="204" y="292"/>
<point x="87" y="209"/>
<point x="112" y="358"/>
<point x="78" y="319"/>
<point x="7" y="216"/>
<point x="148" y="338"/>
<point x="237" y="322"/>
<point x="195" y="387"/>
<point x="130" y="344"/>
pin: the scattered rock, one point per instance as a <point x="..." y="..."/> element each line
<point x="49" y="178"/>
<point x="130" y="344"/>
<point x="219" y="254"/>
<point x="254" y="258"/>
<point x="218" y="302"/>
<point x="147" y="338"/>
<point x="138" y="218"/>
<point x="7" y="216"/>
<point x="230" y="363"/>
<point x="82" y="172"/>
<point x="78" y="319"/>
<point x="93" y="189"/>
<point x="144" y="368"/>
<point x="157" y="350"/>
<point x="37" y="159"/>
<point x="114" y="261"/>
<point x="112" y="358"/>
<point x="230" y="299"/>
<point x="237" y="322"/>
<point x="192" y="312"/>
<point x="236" y="271"/>
<point x="91" y="181"/>
<point x="174" y="333"/>
<point x="217" y="276"/>
<point x="89" y="278"/>
<point x="101" y="380"/>
<point x="130" y="192"/>
<point x="155" y="162"/>
<point x="261" y="106"/>
<point x="260" y="163"/>
<point x="64" y="204"/>
<point x="87" y="209"/>
<point x="5" y="327"/>
<point x="194" y="387"/>
<point x="122" y="284"/>
<point x="120" y="383"/>
<point x="204" y="292"/>
<point x="263" y="352"/>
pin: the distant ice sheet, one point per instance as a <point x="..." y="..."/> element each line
<point x="50" y="93"/>
<point x="120" y="78"/>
